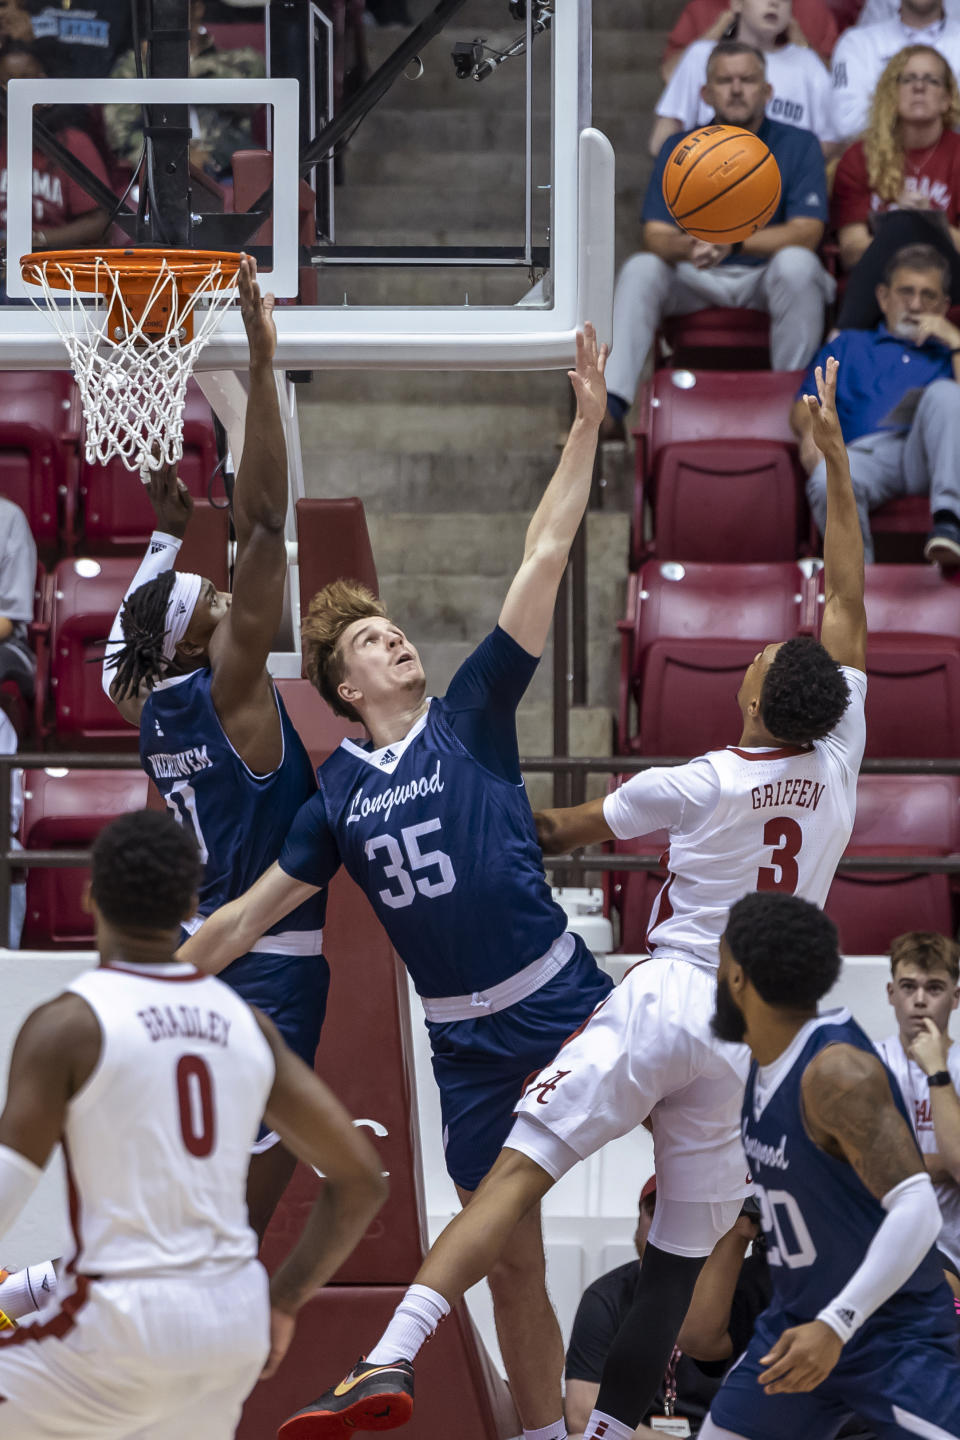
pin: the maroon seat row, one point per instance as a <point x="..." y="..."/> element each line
<point x="692" y="629"/>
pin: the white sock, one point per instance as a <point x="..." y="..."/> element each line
<point x="604" y="1427"/>
<point x="27" y="1290"/>
<point x="414" y="1321"/>
<point x="556" y="1431"/>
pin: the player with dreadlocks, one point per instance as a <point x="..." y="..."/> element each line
<point x="188" y="664"/>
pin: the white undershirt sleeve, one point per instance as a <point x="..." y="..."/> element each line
<point x="668" y="797"/>
<point x="162" y="552"/>
<point x="911" y="1226"/>
<point x="680" y="98"/>
<point x="19" y="1178"/>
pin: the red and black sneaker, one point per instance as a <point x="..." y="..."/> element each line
<point x="371" y="1397"/>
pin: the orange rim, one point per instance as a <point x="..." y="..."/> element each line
<point x="136" y="269"/>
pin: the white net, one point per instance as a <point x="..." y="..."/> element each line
<point x="132" y="381"/>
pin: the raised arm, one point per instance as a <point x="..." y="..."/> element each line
<point x="528" y="608"/>
<point x="318" y="1130"/>
<point x="232" y="930"/>
<point x="242" y="641"/>
<point x="929" y="1050"/>
<point x="844" y="628"/>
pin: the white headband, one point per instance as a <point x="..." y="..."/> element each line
<point x="180" y="608"/>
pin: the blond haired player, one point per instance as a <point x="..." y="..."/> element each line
<point x="154" y="1077"/>
<point x="772" y="813"/>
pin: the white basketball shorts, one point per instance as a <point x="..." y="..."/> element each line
<point x="138" y="1359"/>
<point x="647" y="1053"/>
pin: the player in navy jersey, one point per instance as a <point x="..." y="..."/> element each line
<point x="861" y="1320"/>
<point x="432" y="820"/>
<point x="188" y="664"/>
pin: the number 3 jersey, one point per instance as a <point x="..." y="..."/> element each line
<point x="443" y="846"/>
<point x="240" y="819"/>
<point x="741" y="820"/>
<point x="818" y="1217"/>
<point x="157" y="1141"/>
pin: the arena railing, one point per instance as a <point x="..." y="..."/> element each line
<point x="572" y="868"/>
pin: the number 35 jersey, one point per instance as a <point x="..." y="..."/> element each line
<point x="445" y="851"/>
<point x="158" y="1140"/>
<point x="742" y="820"/>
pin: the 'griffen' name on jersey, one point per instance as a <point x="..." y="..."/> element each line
<point x="805" y="794"/>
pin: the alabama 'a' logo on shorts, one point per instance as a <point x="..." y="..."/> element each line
<point x="543" y="1089"/>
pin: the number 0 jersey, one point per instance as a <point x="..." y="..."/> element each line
<point x="741" y="820"/>
<point x="444" y="848"/>
<point x="240" y="819"/>
<point x="818" y="1216"/>
<point x="157" y="1142"/>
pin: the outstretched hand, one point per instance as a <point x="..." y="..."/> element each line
<point x="257" y="312"/>
<point x="801" y="1359"/>
<point x="171" y="500"/>
<point x="587" y="380"/>
<point x="825" y="425"/>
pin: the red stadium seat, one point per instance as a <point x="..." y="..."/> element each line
<point x="117" y="516"/>
<point x="333" y="544"/>
<point x="716" y="460"/>
<point x="696" y="629"/>
<point x="897" y="815"/>
<point x="900" y="528"/>
<point x="39" y="438"/>
<point x="913" y="661"/>
<point x="725" y="337"/>
<point x="66" y="810"/>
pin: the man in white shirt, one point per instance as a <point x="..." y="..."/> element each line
<point x="924" y="992"/>
<point x="799" y="81"/>
<point x="863" y="51"/>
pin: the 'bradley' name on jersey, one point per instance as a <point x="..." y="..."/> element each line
<point x="185" y="1022"/>
<point x="362" y="805"/>
<point x="806" y="794"/>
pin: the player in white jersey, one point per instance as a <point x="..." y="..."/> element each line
<point x="772" y="813"/>
<point x="154" y="1078"/>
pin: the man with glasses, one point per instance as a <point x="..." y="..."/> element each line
<point x="863" y="51"/>
<point x="899" y="404"/>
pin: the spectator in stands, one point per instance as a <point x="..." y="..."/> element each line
<point x="92" y="33"/>
<point x="800" y="85"/>
<point x="18" y="580"/>
<point x="873" y="11"/>
<point x="924" y="990"/>
<point x="863" y="52"/>
<point x="64" y="215"/>
<point x="812" y="24"/>
<point x="686" y="1392"/>
<point x="776" y="269"/>
<point x="899" y="403"/>
<point x="900" y="184"/>
<point x="219" y="130"/>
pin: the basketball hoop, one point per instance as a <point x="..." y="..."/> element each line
<point x="133" y="351"/>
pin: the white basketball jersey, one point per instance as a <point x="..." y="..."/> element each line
<point x="781" y="822"/>
<point x="157" y="1142"/>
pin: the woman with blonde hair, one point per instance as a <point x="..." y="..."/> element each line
<point x="900" y="183"/>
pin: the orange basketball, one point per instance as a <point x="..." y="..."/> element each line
<point x="721" y="184"/>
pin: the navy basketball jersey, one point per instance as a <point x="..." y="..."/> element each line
<point x="240" y="819"/>
<point x="445" y="850"/>
<point x="818" y="1216"/>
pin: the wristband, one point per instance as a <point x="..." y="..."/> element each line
<point x="940" y="1077"/>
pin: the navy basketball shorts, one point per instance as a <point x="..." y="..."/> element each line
<point x="900" y="1375"/>
<point x="481" y="1065"/>
<point x="290" y="989"/>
